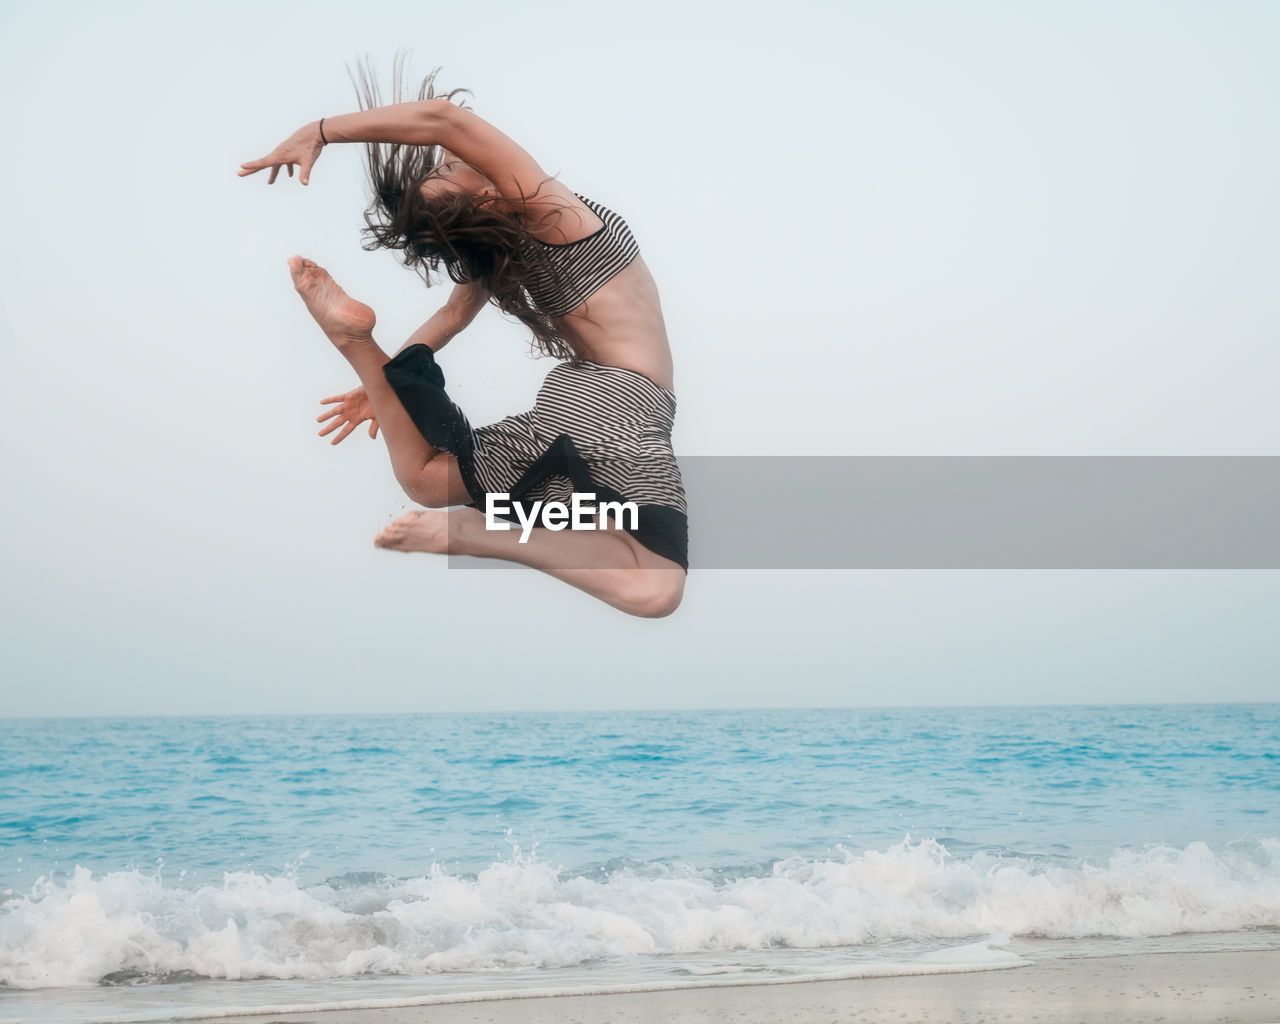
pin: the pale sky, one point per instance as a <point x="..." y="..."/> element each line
<point x="879" y="228"/>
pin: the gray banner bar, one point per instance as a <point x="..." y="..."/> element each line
<point x="982" y="512"/>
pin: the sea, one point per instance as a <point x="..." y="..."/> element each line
<point x="176" y="868"/>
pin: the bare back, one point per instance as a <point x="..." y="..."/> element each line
<point x="620" y="323"/>
<point x="602" y="295"/>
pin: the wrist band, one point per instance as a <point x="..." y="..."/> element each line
<point x="323" y="140"/>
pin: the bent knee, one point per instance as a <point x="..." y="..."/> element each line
<point x="423" y="494"/>
<point x="433" y="484"/>
<point x="656" y="592"/>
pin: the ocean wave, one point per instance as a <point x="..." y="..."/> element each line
<point x="130" y="927"/>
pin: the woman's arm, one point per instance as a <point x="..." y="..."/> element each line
<point x="465" y="301"/>
<point x="419" y="123"/>
<point x="348" y="411"/>
<point x="515" y="174"/>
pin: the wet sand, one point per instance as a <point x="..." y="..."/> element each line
<point x="1173" y="988"/>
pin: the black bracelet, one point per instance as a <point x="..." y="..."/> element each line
<point x="323" y="140"/>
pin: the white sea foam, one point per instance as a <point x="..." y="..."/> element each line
<point x="526" y="913"/>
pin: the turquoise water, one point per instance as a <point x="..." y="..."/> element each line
<point x="400" y="855"/>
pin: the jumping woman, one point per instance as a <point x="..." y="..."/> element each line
<point x="452" y="193"/>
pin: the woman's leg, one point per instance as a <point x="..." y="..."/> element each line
<point x="428" y="476"/>
<point x="608" y="564"/>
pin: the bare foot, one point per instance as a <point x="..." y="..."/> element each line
<point x="340" y="316"/>
<point x="422" y="530"/>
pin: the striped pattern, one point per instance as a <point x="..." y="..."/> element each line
<point x="619" y="421"/>
<point x="579" y="268"/>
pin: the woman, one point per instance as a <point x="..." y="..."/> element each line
<point x="453" y="193"/>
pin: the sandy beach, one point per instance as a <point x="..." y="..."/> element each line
<point x="1173" y="988"/>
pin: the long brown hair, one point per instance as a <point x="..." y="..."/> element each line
<point x="472" y="238"/>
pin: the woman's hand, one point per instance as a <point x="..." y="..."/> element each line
<point x="348" y="412"/>
<point x="301" y="148"/>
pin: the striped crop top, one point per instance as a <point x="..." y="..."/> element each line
<point x="583" y="266"/>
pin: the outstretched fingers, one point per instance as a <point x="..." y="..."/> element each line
<point x="340" y="417"/>
<point x="347" y="425"/>
<point x="254" y="166"/>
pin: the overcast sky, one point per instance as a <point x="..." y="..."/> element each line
<point x="879" y="228"/>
